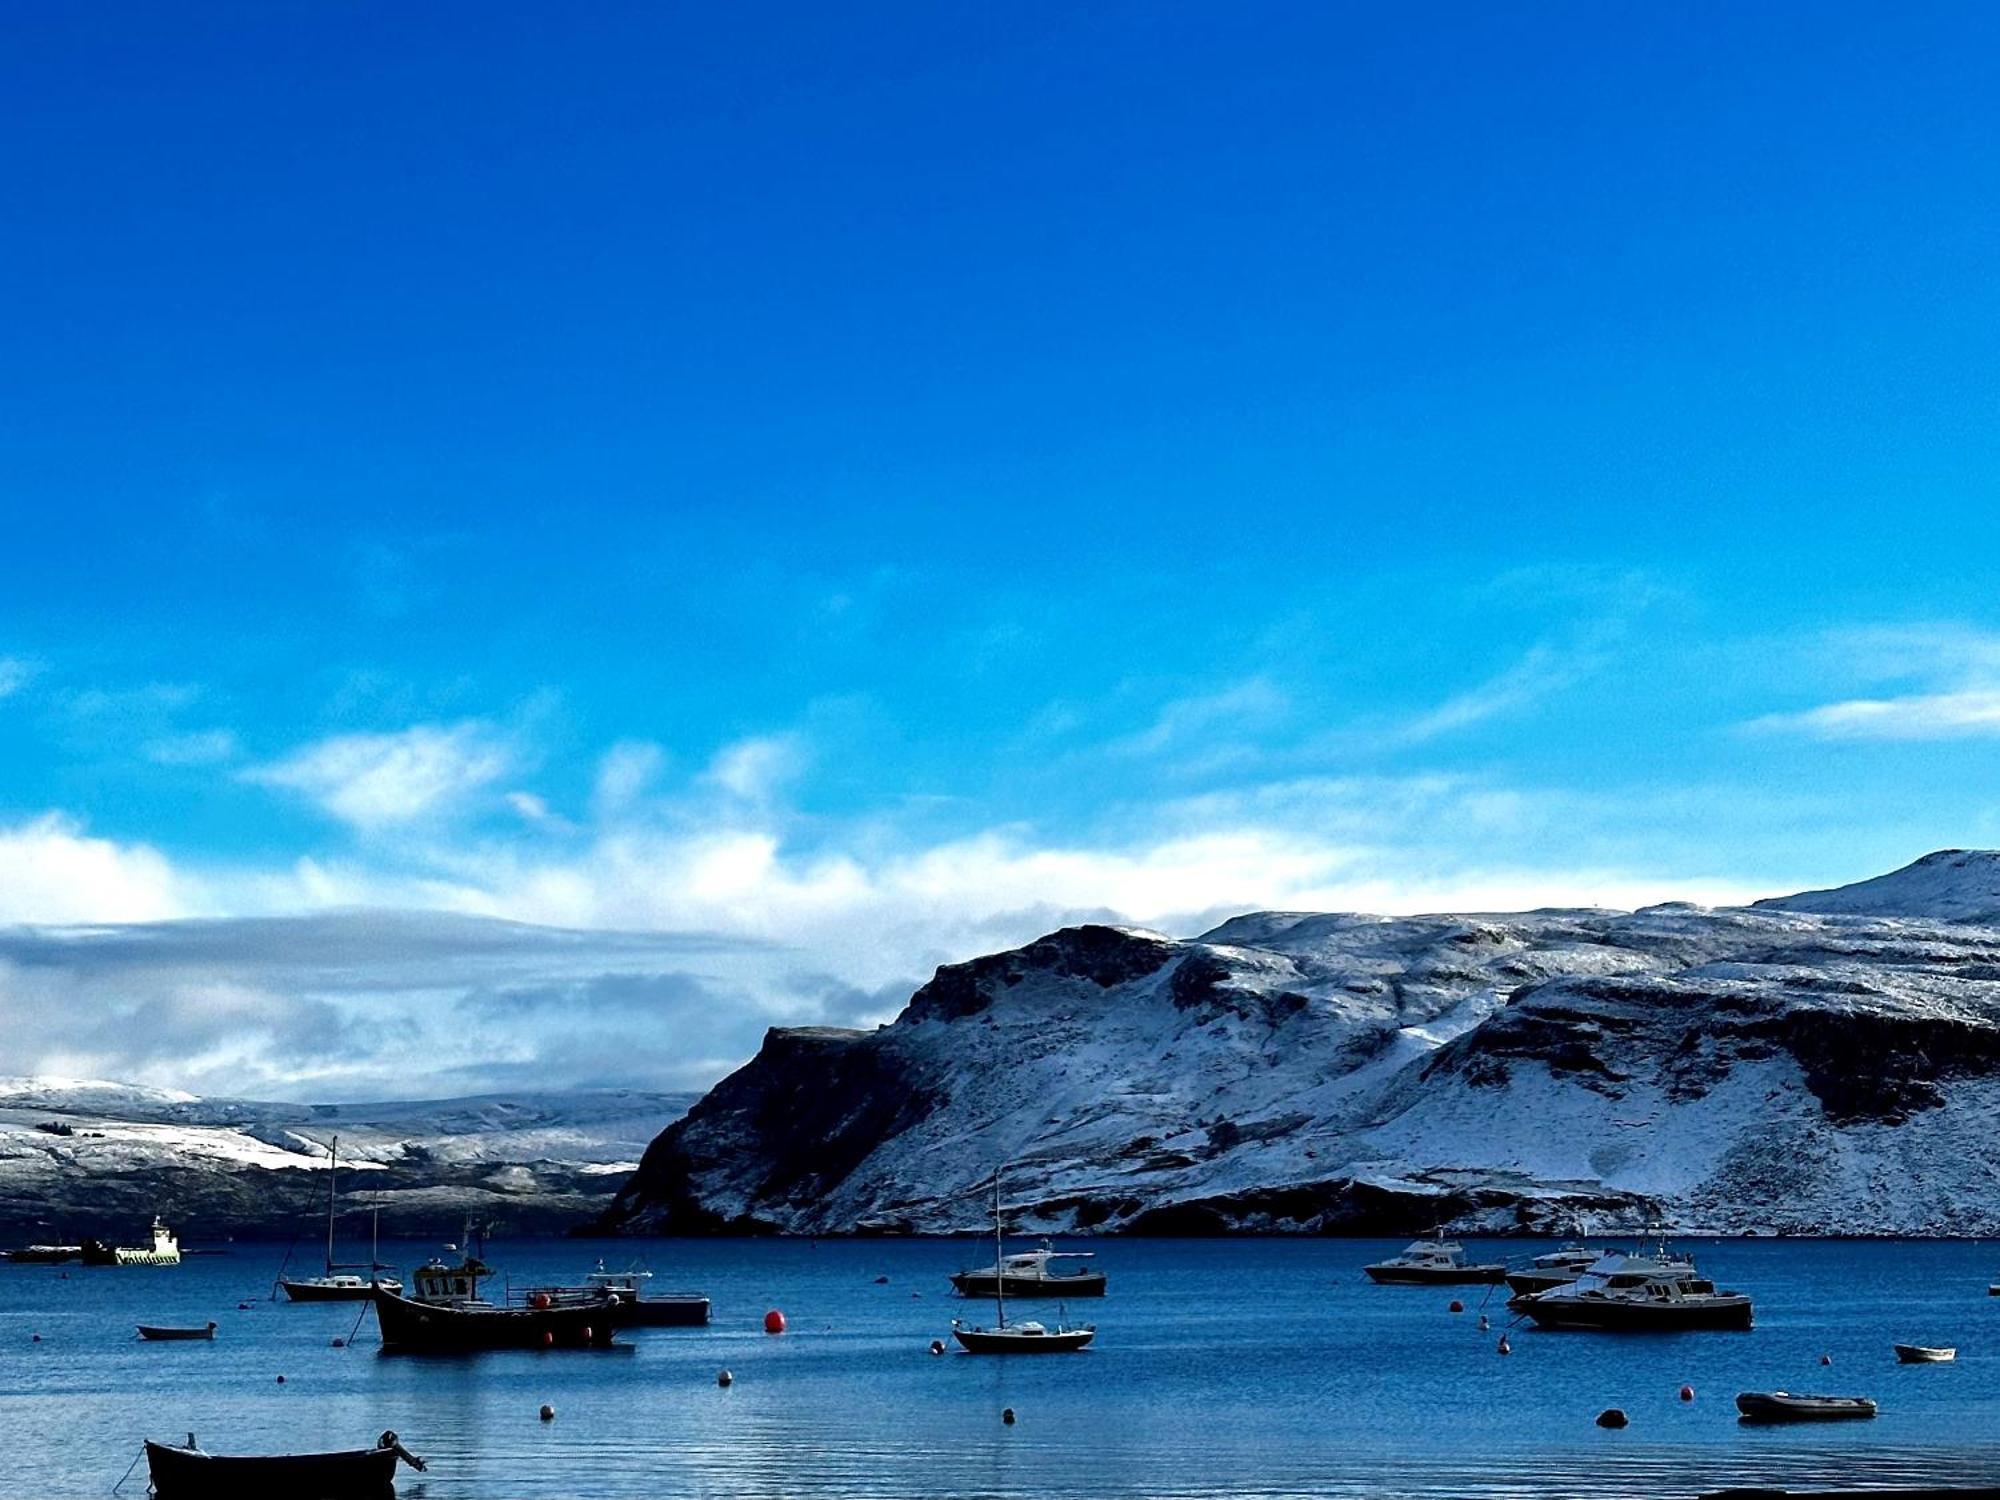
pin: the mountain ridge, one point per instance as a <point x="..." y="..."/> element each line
<point x="1787" y="1066"/>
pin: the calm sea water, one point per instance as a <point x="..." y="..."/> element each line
<point x="1241" y="1368"/>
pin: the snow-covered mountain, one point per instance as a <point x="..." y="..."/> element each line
<point x="82" y="1157"/>
<point x="1821" y="1063"/>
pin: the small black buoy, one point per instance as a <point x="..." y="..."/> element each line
<point x="881" y="1281"/>
<point x="340" y="1343"/>
<point x="1826" y="1359"/>
<point x="243" y="1307"/>
<point x="1007" y="1416"/>
<point x="1484" y="1322"/>
<point x="1611" y="1416"/>
<point x="1504" y="1347"/>
<point x="548" y="1412"/>
<point x="36" y="1339"/>
<point x="1457" y="1306"/>
<point x="281" y="1380"/>
<point x="937" y="1346"/>
<point x="725" y="1379"/>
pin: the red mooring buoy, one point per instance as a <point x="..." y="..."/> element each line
<point x="774" y="1321"/>
<point x="1687" y="1393"/>
<point x="1456" y="1305"/>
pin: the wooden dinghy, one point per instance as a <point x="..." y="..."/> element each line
<point x="1784" y="1406"/>
<point x="1925" y="1354"/>
<point x="188" y="1473"/>
<point x="159" y="1334"/>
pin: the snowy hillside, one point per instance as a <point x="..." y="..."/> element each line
<point x="1825" y="1063"/>
<point x="81" y="1157"/>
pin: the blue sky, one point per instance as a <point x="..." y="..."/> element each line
<point x="869" y="484"/>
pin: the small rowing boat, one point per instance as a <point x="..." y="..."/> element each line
<point x="357" y="1474"/>
<point x="1783" y="1406"/>
<point x="161" y="1334"/>
<point x="1925" y="1354"/>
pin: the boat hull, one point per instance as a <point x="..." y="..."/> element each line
<point x="186" y="1474"/>
<point x="409" y="1326"/>
<point x="1528" y="1283"/>
<point x="1609" y="1315"/>
<point x="1921" y="1354"/>
<point x="986" y="1284"/>
<point x="661" y="1312"/>
<point x="1394" y="1275"/>
<point x="1758" y="1406"/>
<point x="170" y="1335"/>
<point x="313" y="1291"/>
<point x="987" y="1341"/>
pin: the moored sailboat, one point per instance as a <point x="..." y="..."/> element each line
<point x="339" y="1283"/>
<point x="1017" y="1338"/>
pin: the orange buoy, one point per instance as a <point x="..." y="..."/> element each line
<point x="539" y="1302"/>
<point x="1505" y="1347"/>
<point x="548" y="1412"/>
<point x="1687" y="1393"/>
<point x="774" y="1321"/>
<point x="1457" y="1306"/>
<point x="1611" y="1416"/>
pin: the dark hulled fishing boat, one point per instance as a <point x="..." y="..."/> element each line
<point x="188" y="1473"/>
<point x="1631" y="1295"/>
<point x="446" y="1314"/>
<point x="1033" y="1273"/>
<point x="631" y="1305"/>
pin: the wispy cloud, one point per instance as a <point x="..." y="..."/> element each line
<point x="15" y="673"/>
<point x="1243" y="707"/>
<point x="1953" y="670"/>
<point x="375" y="781"/>
<point x="1542" y="672"/>
<point x="1970" y="713"/>
<point x="201" y="747"/>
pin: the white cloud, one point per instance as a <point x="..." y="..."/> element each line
<point x="1973" y="712"/>
<point x="754" y="769"/>
<point x="623" y="775"/>
<point x="376" y="781"/>
<point x="1954" y="670"/>
<point x="51" y="871"/>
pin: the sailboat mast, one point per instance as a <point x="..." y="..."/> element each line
<point x="999" y="1256"/>
<point x="332" y="1170"/>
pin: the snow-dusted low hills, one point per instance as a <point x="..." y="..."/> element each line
<point x="81" y="1157"/>
<point x="1824" y="1063"/>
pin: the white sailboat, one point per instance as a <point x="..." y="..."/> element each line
<point x="1016" y="1338"/>
<point x="340" y="1284"/>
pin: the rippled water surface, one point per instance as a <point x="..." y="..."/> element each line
<point x="1260" y="1368"/>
